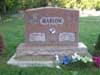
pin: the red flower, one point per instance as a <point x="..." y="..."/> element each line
<point x="97" y="60"/>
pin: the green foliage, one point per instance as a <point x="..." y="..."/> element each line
<point x="2" y="7"/>
<point x="97" y="6"/>
<point x="15" y="5"/>
<point x="23" y="4"/>
<point x="81" y="4"/>
<point x="11" y="5"/>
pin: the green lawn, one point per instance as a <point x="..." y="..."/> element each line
<point x="14" y="33"/>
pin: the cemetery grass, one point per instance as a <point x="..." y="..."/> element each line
<point x="14" y="29"/>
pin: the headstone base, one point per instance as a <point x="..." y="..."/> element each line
<point x="26" y="63"/>
<point x="44" y="56"/>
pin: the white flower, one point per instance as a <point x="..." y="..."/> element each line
<point x="79" y="57"/>
<point x="90" y="60"/>
<point x="73" y="57"/>
<point x="57" y="58"/>
<point x="76" y="56"/>
<point x="58" y="67"/>
<point x="84" y="60"/>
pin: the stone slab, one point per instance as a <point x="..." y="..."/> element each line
<point x="45" y="58"/>
<point x="28" y="50"/>
<point x="13" y="61"/>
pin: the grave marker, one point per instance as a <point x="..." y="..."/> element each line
<point x="50" y="31"/>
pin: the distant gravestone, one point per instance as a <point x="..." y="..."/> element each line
<point x="50" y="31"/>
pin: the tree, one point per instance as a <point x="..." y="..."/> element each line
<point x="3" y="7"/>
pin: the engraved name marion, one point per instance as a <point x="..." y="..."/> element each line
<point x="47" y="20"/>
<point x="51" y="20"/>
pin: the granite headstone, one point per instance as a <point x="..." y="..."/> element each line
<point x="50" y="31"/>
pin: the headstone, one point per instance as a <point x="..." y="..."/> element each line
<point x="57" y="28"/>
<point x="50" y="31"/>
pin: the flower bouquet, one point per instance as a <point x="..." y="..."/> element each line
<point x="84" y="59"/>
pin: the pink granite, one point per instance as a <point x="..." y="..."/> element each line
<point x="64" y="23"/>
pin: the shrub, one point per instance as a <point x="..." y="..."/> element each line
<point x="97" y="46"/>
<point x="2" y="45"/>
<point x="80" y="4"/>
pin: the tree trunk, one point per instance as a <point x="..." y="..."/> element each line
<point x="4" y="9"/>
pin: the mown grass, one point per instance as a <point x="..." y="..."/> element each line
<point x="14" y="34"/>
